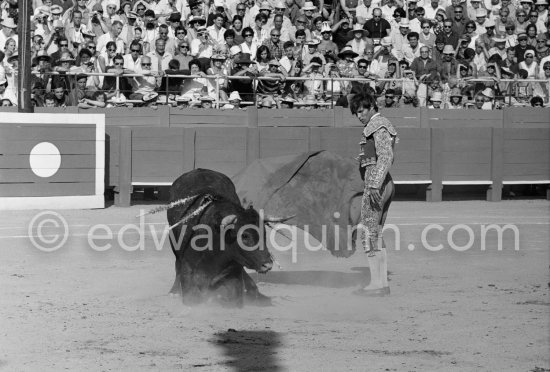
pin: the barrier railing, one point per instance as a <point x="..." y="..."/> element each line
<point x="323" y="97"/>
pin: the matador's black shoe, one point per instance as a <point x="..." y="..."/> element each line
<point x="381" y="292"/>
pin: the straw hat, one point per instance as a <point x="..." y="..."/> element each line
<point x="227" y="106"/>
<point x="8" y="22"/>
<point x="148" y="97"/>
<point x="481" y="12"/>
<point x="386" y="41"/>
<point x="326" y="27"/>
<point x="265" y="6"/>
<point x="86" y="32"/>
<point x="455" y="92"/>
<point x="312" y="42"/>
<point x="218" y="56"/>
<point x="541" y="2"/>
<point x="308" y="5"/>
<point x="499" y="38"/>
<point x="436" y="97"/>
<point x="529" y="51"/>
<point x="43" y="55"/>
<point x="280" y="5"/>
<point x="489" y="23"/>
<point x="120" y="100"/>
<point x="56" y="9"/>
<point x="274" y="62"/>
<point x="234" y="96"/>
<point x="183" y="99"/>
<point x="206" y="99"/>
<point x="201" y="29"/>
<point x="357" y="28"/>
<point x="347" y="50"/>
<point x="488" y="92"/>
<point x="448" y="49"/>
<point x="65" y="57"/>
<point x="404" y="23"/>
<point x="194" y="19"/>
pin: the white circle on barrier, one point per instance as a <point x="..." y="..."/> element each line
<point x="45" y="159"/>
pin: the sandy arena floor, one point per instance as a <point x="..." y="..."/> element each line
<point x="79" y="309"/>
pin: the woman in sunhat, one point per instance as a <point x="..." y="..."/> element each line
<point x="346" y="64"/>
<point x="455" y="101"/>
<point x="360" y="39"/>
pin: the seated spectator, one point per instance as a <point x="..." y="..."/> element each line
<point x="95" y="99"/>
<point x="487" y="95"/>
<point x="243" y="67"/>
<point x="49" y="100"/>
<point x="5" y="93"/>
<point x="537" y="102"/>
<point x="312" y="52"/>
<point x="340" y="32"/>
<point x="235" y="99"/>
<point x="147" y="83"/>
<point x="423" y="65"/>
<point x="435" y="101"/>
<point x="272" y="87"/>
<point x="529" y="64"/>
<point x="60" y="93"/>
<point x="360" y="39"/>
<point x="263" y="57"/>
<point x="389" y="100"/>
<point x="312" y="72"/>
<point x="220" y="84"/>
<point x="346" y="64"/>
<point x="206" y="102"/>
<point x="455" y="101"/>
<point x="327" y="46"/>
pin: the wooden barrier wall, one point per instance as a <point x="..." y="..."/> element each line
<point x="153" y="146"/>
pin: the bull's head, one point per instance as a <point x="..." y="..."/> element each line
<point x="244" y="237"/>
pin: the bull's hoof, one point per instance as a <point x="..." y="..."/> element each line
<point x="381" y="292"/>
<point x="257" y="299"/>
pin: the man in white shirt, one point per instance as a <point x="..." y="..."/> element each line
<point x="202" y="46"/>
<point x="364" y="11"/>
<point x="431" y="10"/>
<point x="217" y="30"/>
<point x="159" y="57"/>
<point x="399" y="39"/>
<point x="113" y="35"/>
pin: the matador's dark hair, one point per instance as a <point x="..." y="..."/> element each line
<point x="364" y="99"/>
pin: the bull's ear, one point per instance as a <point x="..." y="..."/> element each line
<point x="228" y="220"/>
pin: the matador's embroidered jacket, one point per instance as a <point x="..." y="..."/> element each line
<point x="378" y="140"/>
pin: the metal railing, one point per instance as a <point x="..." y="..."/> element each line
<point x="511" y="89"/>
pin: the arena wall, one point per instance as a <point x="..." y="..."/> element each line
<point x="153" y="146"/>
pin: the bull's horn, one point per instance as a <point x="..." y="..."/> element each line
<point x="228" y="220"/>
<point x="272" y="219"/>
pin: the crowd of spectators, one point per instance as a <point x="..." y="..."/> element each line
<point x="281" y="53"/>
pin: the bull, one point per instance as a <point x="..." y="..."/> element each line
<point x="210" y="264"/>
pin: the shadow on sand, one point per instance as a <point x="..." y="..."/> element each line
<point x="250" y="350"/>
<point x="329" y="279"/>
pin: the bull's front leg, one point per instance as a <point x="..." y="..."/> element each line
<point x="252" y="293"/>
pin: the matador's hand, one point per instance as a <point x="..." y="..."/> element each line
<point x="375" y="198"/>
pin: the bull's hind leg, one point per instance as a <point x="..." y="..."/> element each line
<point x="176" y="287"/>
<point x="178" y="246"/>
<point x="252" y="293"/>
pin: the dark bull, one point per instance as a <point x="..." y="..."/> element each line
<point x="214" y="237"/>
